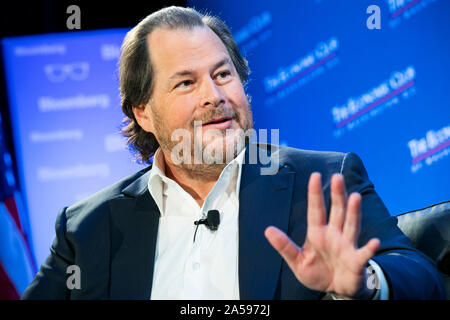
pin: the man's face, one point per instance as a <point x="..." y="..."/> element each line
<point x="194" y="80"/>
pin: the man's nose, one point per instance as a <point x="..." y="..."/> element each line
<point x="211" y="94"/>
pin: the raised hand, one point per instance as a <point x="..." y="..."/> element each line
<point x="329" y="260"/>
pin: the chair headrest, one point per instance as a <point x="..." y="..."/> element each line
<point x="429" y="231"/>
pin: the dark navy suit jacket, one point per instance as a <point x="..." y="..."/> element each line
<point x="112" y="235"/>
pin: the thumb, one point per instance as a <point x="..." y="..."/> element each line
<point x="290" y="252"/>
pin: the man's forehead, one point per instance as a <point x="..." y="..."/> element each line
<point x="176" y="48"/>
<point x="189" y="71"/>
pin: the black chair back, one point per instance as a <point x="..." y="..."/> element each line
<point x="429" y="231"/>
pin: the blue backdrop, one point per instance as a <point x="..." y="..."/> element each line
<point x="328" y="82"/>
<point x="65" y="108"/>
<point x="319" y="75"/>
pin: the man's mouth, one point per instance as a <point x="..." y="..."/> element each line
<point x="217" y="121"/>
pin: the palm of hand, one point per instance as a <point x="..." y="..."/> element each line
<point x="329" y="260"/>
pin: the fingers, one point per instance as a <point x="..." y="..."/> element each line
<point x="345" y="214"/>
<point x="338" y="201"/>
<point x="290" y="252"/>
<point x="316" y="206"/>
<point x="368" y="251"/>
<point x="352" y="222"/>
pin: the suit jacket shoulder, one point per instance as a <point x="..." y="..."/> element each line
<point x="83" y="238"/>
<point x="89" y="210"/>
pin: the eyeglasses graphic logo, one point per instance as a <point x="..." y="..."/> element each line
<point x="77" y="71"/>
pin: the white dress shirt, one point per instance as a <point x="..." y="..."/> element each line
<point x="207" y="268"/>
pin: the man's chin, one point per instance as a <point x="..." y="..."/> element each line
<point x="223" y="150"/>
<point x="211" y="160"/>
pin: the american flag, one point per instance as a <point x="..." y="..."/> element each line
<point x="17" y="264"/>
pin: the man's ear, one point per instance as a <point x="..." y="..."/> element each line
<point x="144" y="118"/>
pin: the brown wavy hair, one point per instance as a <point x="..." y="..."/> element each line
<point x="136" y="72"/>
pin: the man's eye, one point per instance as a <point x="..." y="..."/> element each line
<point x="223" y="74"/>
<point x="185" y="83"/>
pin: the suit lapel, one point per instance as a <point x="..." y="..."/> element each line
<point x="264" y="200"/>
<point x="133" y="226"/>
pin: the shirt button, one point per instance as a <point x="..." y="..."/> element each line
<point x="196" y="266"/>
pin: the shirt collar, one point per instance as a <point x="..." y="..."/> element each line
<point x="158" y="179"/>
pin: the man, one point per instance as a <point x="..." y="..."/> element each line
<point x="182" y="76"/>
